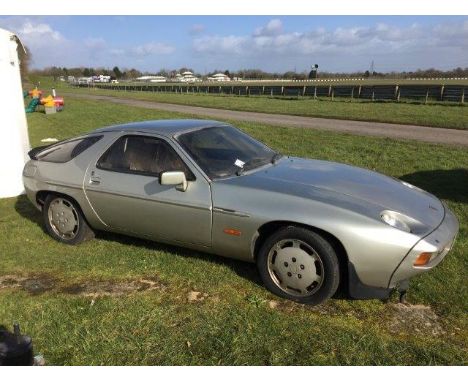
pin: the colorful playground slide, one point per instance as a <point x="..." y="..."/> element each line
<point x="31" y="108"/>
<point x="50" y="101"/>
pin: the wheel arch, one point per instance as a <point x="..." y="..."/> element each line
<point x="43" y="194"/>
<point x="269" y="228"/>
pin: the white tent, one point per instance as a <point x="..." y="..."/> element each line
<point x="14" y="141"/>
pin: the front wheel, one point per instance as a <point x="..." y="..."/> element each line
<point x="300" y="265"/>
<point x="64" y="220"/>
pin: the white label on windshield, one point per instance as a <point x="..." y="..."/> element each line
<point x="239" y="163"/>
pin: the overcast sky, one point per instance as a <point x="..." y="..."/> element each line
<point x="336" y="43"/>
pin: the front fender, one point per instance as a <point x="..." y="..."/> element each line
<point x="374" y="248"/>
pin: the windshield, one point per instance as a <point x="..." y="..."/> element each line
<point x="223" y="151"/>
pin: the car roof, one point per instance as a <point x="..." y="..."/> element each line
<point x="167" y="127"/>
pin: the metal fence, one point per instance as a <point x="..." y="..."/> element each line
<point x="422" y="93"/>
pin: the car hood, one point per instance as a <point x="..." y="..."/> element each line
<point x="297" y="176"/>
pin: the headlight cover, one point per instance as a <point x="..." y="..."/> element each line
<point x="395" y="219"/>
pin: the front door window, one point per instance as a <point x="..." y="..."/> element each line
<point x="142" y="155"/>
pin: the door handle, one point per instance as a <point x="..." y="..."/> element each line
<point x="94" y="180"/>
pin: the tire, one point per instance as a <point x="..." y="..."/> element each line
<point x="300" y="265"/>
<point x="64" y="220"/>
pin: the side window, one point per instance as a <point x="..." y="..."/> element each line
<point x="143" y="155"/>
<point x="63" y="152"/>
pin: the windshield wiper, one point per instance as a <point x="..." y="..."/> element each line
<point x="240" y="171"/>
<point x="276" y="157"/>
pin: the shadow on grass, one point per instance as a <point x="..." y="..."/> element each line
<point x="246" y="270"/>
<point x="25" y="208"/>
<point x="446" y="184"/>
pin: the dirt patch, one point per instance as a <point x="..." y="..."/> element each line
<point x="34" y="285"/>
<point x="283" y="305"/>
<point x="109" y="288"/>
<point x="38" y="284"/>
<point x="195" y="296"/>
<point x="10" y="281"/>
<point x="414" y="319"/>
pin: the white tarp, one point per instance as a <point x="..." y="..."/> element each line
<point x="14" y="141"/>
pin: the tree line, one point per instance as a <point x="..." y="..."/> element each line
<point x="133" y="73"/>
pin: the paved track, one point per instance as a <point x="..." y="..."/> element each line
<point x="390" y="130"/>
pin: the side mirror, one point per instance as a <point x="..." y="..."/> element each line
<point x="174" y="178"/>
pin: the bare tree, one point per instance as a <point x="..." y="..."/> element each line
<point x="25" y="61"/>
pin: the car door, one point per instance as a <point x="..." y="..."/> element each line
<point x="124" y="189"/>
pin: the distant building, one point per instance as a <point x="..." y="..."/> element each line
<point x="152" y="79"/>
<point x="219" y="77"/>
<point x="85" y="80"/>
<point x="158" y="79"/>
<point x="101" y="78"/>
<point x="187" y="77"/>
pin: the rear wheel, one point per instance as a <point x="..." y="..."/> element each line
<point x="300" y="265"/>
<point x="64" y="220"/>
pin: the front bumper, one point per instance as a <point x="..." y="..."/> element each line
<point x="439" y="242"/>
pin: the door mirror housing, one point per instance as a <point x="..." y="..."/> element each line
<point x="174" y="178"/>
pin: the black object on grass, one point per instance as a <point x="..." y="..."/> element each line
<point x="15" y="348"/>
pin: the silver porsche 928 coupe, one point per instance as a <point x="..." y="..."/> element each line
<point x="308" y="224"/>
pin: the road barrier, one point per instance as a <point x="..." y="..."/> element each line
<point x="422" y="93"/>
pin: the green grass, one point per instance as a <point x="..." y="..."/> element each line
<point x="234" y="324"/>
<point x="451" y="116"/>
<point x="444" y="115"/>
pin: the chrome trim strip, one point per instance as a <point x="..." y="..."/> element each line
<point x="62" y="185"/>
<point x="195" y="206"/>
<point x="228" y="211"/>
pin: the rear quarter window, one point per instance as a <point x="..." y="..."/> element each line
<point x="64" y="152"/>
